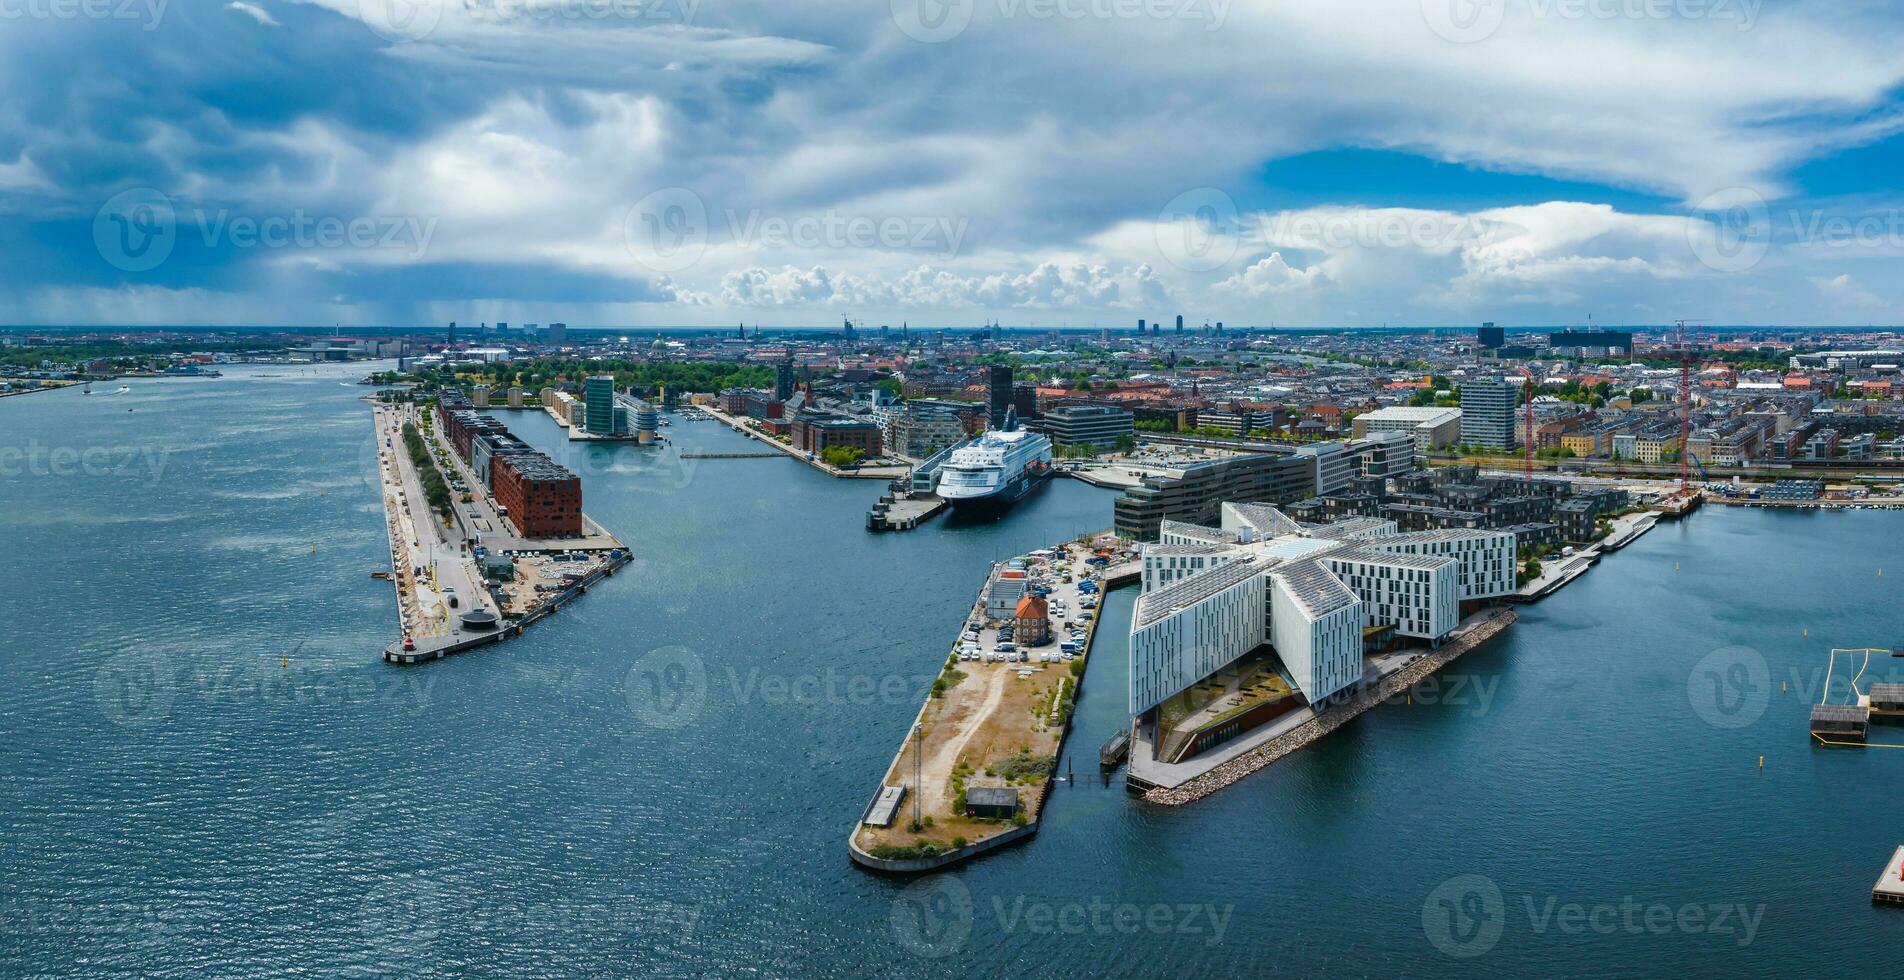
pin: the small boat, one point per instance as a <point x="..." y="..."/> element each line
<point x="384" y="576"/>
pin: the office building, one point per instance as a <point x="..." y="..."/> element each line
<point x="558" y="333"/>
<point x="1332" y="467"/>
<point x="1195" y="493"/>
<point x="1430" y="426"/>
<point x="783" y="379"/>
<point x="998" y="394"/>
<point x="1297" y="600"/>
<point x="1179" y="323"/>
<point x="598" y="394"/>
<point x="1591" y="342"/>
<point x="1098" y="426"/>
<point x="1487" y="412"/>
<point x="1490" y="337"/>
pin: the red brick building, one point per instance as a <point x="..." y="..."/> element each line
<point x="543" y="498"/>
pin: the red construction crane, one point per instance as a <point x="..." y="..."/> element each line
<point x="1685" y="402"/>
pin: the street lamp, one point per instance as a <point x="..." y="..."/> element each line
<point x="918" y="784"/>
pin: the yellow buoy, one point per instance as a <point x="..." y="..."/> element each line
<point x="1761" y="762"/>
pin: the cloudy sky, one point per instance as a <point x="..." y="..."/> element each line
<point x="1043" y="162"/>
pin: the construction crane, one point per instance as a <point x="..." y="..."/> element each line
<point x="1685" y="401"/>
<point x="1527" y="422"/>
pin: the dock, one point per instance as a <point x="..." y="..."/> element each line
<point x="981" y="756"/>
<point x="1890" y="887"/>
<point x="903" y="511"/>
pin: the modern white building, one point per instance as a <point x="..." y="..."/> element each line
<point x="1431" y="427"/>
<point x="1213" y="595"/>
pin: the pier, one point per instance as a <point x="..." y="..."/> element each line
<point x="467" y="580"/>
<point x="997" y="719"/>
<point x="903" y="511"/>
<point x="1890" y="887"/>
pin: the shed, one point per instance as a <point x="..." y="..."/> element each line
<point x="1000" y="802"/>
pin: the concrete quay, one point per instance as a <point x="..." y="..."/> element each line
<point x="1558" y="573"/>
<point x="996" y="706"/>
<point x="1401" y="673"/>
<point x="857" y="473"/>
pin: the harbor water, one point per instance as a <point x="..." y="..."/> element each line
<point x="210" y="772"/>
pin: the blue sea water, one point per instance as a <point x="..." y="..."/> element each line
<point x="209" y="772"/>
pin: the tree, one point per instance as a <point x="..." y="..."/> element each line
<point x="842" y="456"/>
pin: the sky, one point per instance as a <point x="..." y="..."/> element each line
<point x="951" y="162"/>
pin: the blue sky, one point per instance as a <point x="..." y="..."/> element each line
<point x="1043" y="162"/>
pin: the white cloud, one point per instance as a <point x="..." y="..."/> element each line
<point x="254" y="11"/>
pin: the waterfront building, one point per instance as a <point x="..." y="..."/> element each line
<point x="1296" y="600"/>
<point x="1431" y="427"/>
<point x="1487" y="412"/>
<point x="598" y="392"/>
<point x="815" y="431"/>
<point x="1031" y="622"/>
<point x="1097" y="426"/>
<point x="479" y="396"/>
<point x="1195" y="493"/>
<point x="539" y="496"/>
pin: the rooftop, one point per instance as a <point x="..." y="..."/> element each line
<point x="1153" y="606"/>
<point x="1315" y="588"/>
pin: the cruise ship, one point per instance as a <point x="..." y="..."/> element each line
<point x="996" y="468"/>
